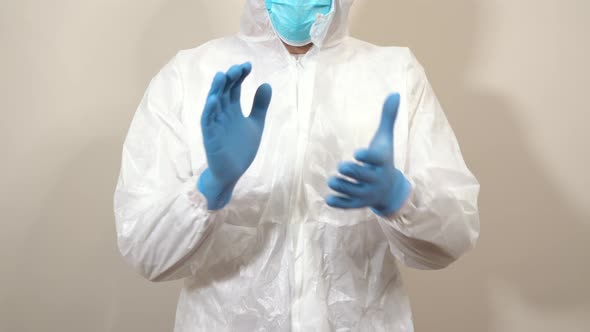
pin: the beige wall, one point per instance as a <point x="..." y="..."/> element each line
<point x="512" y="75"/>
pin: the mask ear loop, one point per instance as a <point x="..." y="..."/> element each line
<point x="318" y="31"/>
<point x="320" y="27"/>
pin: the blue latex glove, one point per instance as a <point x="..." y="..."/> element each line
<point x="377" y="183"/>
<point x="231" y="140"/>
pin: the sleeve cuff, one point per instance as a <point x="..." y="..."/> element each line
<point x="197" y="199"/>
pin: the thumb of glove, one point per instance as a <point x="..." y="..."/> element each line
<point x="384" y="135"/>
<point x="261" y="103"/>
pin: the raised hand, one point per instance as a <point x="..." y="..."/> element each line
<point x="231" y="140"/>
<point x="376" y="182"/>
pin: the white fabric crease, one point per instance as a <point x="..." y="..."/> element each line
<point x="277" y="258"/>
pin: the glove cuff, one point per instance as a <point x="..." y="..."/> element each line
<point x="218" y="194"/>
<point x="400" y="193"/>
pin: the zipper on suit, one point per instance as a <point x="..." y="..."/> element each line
<point x="295" y="223"/>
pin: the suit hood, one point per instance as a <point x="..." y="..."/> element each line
<point x="327" y="31"/>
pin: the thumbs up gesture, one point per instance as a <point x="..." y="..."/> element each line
<point x="376" y="183"/>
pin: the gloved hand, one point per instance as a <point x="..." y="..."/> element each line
<point x="377" y="183"/>
<point x="231" y="140"/>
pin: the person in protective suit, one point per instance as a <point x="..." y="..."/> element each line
<point x="285" y="190"/>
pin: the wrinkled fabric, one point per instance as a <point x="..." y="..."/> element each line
<point x="293" y="19"/>
<point x="277" y="258"/>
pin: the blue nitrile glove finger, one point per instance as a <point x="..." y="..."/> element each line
<point x="376" y="182"/>
<point x="358" y="172"/>
<point x="236" y="90"/>
<point x="343" y="202"/>
<point x="348" y="188"/>
<point x="231" y="140"/>
<point x="210" y="111"/>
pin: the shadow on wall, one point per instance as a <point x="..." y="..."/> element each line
<point x="75" y="277"/>
<point x="82" y="283"/>
<point x="184" y="24"/>
<point x="530" y="270"/>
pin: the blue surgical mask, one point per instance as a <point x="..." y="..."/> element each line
<point x="293" y="19"/>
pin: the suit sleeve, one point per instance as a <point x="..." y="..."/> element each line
<point x="164" y="228"/>
<point x="440" y="221"/>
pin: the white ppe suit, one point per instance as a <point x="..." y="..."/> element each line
<point x="277" y="258"/>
